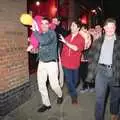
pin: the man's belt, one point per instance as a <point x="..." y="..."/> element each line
<point x="50" y="61"/>
<point x="107" y="66"/>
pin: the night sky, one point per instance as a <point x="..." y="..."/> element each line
<point x="111" y="8"/>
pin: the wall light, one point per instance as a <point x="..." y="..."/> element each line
<point x="37" y="3"/>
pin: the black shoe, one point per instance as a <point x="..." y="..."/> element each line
<point x="44" y="108"/>
<point x="59" y="100"/>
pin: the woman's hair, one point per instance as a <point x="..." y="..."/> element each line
<point x="77" y="22"/>
<point x="85" y="26"/>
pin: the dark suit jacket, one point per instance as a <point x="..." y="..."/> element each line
<point x="94" y="54"/>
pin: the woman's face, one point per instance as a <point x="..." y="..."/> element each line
<point x="74" y="27"/>
<point x="84" y="30"/>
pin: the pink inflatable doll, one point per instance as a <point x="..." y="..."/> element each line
<point x="33" y="42"/>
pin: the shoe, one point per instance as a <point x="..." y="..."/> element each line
<point x="74" y="100"/>
<point x="59" y="100"/>
<point x="92" y="90"/>
<point x="44" y="108"/>
<point x="84" y="90"/>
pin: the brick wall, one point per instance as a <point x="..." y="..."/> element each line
<point x="14" y="75"/>
<point x="13" y="43"/>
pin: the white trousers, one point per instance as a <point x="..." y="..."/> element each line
<point x="49" y="69"/>
<point x="61" y="73"/>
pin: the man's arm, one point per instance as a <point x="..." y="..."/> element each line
<point x="47" y="38"/>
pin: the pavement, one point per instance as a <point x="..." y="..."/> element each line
<point x="84" y="110"/>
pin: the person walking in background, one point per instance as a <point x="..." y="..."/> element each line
<point x="70" y="58"/>
<point x="84" y="60"/>
<point x="47" y="65"/>
<point x="99" y="31"/>
<point x="96" y="32"/>
<point x="105" y="64"/>
<point x="59" y="30"/>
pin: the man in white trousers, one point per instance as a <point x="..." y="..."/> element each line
<point x="47" y="66"/>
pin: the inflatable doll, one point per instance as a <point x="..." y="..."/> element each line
<point x="27" y="19"/>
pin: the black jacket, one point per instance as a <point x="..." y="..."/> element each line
<point x="94" y="54"/>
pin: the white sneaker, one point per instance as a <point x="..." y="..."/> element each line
<point x="92" y="90"/>
<point x="84" y="90"/>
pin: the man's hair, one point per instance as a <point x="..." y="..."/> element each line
<point x="109" y="20"/>
<point x="46" y="18"/>
<point x="59" y="18"/>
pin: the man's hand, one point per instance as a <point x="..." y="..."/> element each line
<point x="34" y="51"/>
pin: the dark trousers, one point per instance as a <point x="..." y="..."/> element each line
<point x="103" y="85"/>
<point x="71" y="77"/>
<point x="83" y="74"/>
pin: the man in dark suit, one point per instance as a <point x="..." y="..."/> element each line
<point x="105" y="64"/>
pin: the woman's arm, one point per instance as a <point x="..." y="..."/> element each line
<point x="71" y="46"/>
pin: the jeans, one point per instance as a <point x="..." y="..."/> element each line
<point x="83" y="74"/>
<point x="102" y="85"/>
<point x="115" y="101"/>
<point x="71" y="77"/>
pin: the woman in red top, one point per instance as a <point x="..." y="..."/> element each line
<point x="71" y="56"/>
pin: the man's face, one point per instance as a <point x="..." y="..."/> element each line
<point x="98" y="28"/>
<point x="44" y="25"/>
<point x="110" y="29"/>
<point x="55" y="21"/>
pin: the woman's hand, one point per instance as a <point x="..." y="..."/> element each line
<point x="62" y="39"/>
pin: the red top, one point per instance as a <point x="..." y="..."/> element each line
<point x="70" y="58"/>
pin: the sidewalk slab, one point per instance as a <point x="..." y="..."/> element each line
<point x="84" y="110"/>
